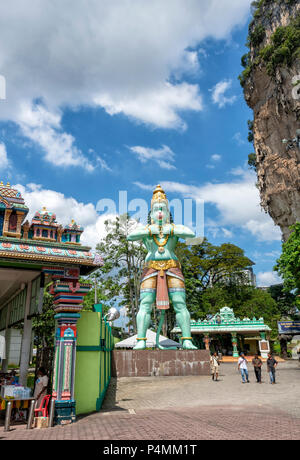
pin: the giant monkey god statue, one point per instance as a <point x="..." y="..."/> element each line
<point x="162" y="278"/>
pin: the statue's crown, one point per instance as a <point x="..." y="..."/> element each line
<point x="159" y="196"/>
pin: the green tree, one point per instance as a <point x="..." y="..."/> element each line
<point x="206" y="266"/>
<point x="288" y="265"/>
<point x="120" y="275"/>
<point x="245" y="300"/>
<point x="215" y="277"/>
<point x="286" y="301"/>
<point x="93" y="297"/>
<point x="43" y="326"/>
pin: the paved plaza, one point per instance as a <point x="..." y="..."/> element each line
<point x="196" y="408"/>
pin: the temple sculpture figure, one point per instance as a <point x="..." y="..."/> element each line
<point x="162" y="279"/>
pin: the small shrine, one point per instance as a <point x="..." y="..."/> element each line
<point x="72" y="233"/>
<point x="43" y="227"/>
<point x="230" y="335"/>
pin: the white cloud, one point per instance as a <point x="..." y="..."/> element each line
<point x="218" y="94"/>
<point x="237" y="203"/>
<point x="144" y="186"/>
<point x="189" y="65"/>
<point x="273" y="254"/>
<point x="4" y="161"/>
<point x="118" y="55"/>
<point x="227" y="233"/>
<point x="158" y="107"/>
<point x="66" y="209"/>
<point x="164" y="156"/>
<point x="212" y="228"/>
<point x="266" y="279"/>
<point x="238" y="139"/>
<point x="44" y="128"/>
<point x="100" y="161"/>
<point x="215" y="159"/>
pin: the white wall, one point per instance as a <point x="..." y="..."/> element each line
<point x="14" y="351"/>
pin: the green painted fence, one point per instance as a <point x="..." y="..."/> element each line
<point x="93" y="361"/>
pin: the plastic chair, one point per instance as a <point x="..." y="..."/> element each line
<point x="43" y="407"/>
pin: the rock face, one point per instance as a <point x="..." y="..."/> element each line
<point x="275" y="100"/>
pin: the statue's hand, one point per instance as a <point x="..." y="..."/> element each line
<point x="167" y="229"/>
<point x="154" y="229"/>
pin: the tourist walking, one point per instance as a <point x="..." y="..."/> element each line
<point x="272" y="364"/>
<point x="214" y="364"/>
<point x="257" y="363"/>
<point x="242" y="366"/>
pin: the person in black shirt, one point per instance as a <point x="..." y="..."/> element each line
<point x="272" y="364"/>
<point x="257" y="363"/>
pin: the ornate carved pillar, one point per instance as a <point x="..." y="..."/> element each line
<point x="6" y="221"/>
<point x="26" y="227"/>
<point x="234" y="344"/>
<point x="60" y="231"/>
<point x="68" y="295"/>
<point x="20" y="216"/>
<point x="65" y="358"/>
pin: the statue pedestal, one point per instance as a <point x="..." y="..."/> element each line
<point x="159" y="363"/>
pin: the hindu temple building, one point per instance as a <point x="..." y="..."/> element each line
<point x="230" y="335"/>
<point x="33" y="254"/>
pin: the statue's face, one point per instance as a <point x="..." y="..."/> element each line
<point x="160" y="213"/>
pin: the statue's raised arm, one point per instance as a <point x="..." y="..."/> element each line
<point x="183" y="232"/>
<point x="162" y="278"/>
<point x="138" y="234"/>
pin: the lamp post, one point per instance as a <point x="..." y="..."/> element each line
<point x="112" y="314"/>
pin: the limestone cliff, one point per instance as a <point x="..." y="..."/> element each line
<point x="271" y="82"/>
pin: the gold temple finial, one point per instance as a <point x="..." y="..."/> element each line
<point x="44" y="209"/>
<point x="158" y="195"/>
<point x="8" y="184"/>
<point x="1" y="183"/>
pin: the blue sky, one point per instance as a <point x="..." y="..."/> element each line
<point x="124" y="95"/>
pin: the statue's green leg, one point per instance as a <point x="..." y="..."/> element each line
<point x="143" y="318"/>
<point x="183" y="317"/>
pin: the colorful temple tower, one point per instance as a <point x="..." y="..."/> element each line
<point x="72" y="233"/>
<point x="12" y="211"/>
<point x="32" y="255"/>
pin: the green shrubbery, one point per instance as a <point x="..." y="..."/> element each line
<point x="258" y="5"/>
<point x="257" y="36"/>
<point x="284" y="45"/>
<point x="252" y="161"/>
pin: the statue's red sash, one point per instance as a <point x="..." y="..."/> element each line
<point x="162" y="294"/>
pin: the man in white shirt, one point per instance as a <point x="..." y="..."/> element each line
<point x="242" y="365"/>
<point x="214" y="364"/>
